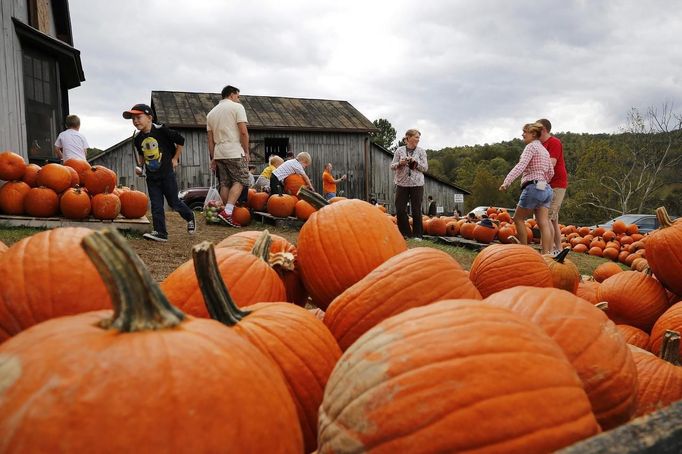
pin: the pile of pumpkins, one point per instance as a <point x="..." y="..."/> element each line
<point x="75" y="190"/>
<point x="405" y="351"/>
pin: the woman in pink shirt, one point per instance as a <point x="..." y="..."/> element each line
<point x="536" y="170"/>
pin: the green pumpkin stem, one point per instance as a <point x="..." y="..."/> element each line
<point x="562" y="255"/>
<point x="602" y="306"/>
<point x="261" y="248"/>
<point x="663" y="218"/>
<point x="313" y="198"/>
<point x="139" y="304"/>
<point x="217" y="299"/>
<point x="670" y="349"/>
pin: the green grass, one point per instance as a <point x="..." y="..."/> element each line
<point x="10" y="235"/>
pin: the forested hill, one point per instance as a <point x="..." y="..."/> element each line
<point x="609" y="174"/>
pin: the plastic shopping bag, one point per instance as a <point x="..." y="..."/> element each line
<point x="213" y="204"/>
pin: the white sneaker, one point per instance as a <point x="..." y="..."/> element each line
<point x="554" y="253"/>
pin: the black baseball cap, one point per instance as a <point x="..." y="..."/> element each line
<point x="136" y="110"/>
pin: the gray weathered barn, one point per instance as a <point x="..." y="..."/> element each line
<point x="331" y="131"/>
<point x="38" y="65"/>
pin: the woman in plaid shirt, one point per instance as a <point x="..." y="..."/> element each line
<point x="409" y="164"/>
<point x="536" y="170"/>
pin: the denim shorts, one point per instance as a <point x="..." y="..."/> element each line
<point x="532" y="198"/>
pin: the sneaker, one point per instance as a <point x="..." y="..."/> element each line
<point x="227" y="219"/>
<point x="192" y="225"/>
<point x="417" y="238"/>
<point x="155" y="236"/>
<point x="554" y="253"/>
<point x="514" y="240"/>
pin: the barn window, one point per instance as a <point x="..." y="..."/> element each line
<point x="278" y="146"/>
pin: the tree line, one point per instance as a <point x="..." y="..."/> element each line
<point x="632" y="171"/>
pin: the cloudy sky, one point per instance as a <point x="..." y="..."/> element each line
<point x="464" y="72"/>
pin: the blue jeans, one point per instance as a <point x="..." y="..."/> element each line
<point x="158" y="188"/>
<point x="533" y="198"/>
<point x="329" y="195"/>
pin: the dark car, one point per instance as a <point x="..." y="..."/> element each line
<point x="645" y="222"/>
<point x="194" y="197"/>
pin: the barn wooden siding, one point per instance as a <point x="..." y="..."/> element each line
<point x="12" y="114"/>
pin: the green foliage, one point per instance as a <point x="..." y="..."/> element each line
<point x="386" y="134"/>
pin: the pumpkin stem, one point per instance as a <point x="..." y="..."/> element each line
<point x="139" y="304"/>
<point x="261" y="248"/>
<point x="562" y="255"/>
<point x="663" y="218"/>
<point x="284" y="260"/>
<point x="219" y="303"/>
<point x="313" y="198"/>
<point x="603" y="306"/>
<point x="670" y="349"/>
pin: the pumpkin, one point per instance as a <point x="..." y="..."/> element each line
<point x="660" y="379"/>
<point x="289" y="335"/>
<point x="446" y="377"/>
<point x="502" y="266"/>
<point x="451" y="228"/>
<point x="75" y="179"/>
<point x="671" y="319"/>
<point x="54" y="176"/>
<point x="634" y="298"/>
<point x="610" y="253"/>
<point x="31" y="175"/>
<point x="293" y="183"/>
<point x="75" y="204"/>
<point x="663" y="252"/>
<point x="241" y="215"/>
<point x="605" y="270"/>
<point x="258" y="200"/>
<point x="619" y="227"/>
<point x="41" y="202"/>
<point x="248" y="275"/>
<point x="505" y="233"/>
<point x="485" y="231"/>
<point x="98" y="179"/>
<point x="144" y="375"/>
<point x="80" y="166"/>
<point x="3" y="247"/>
<point x="282" y="258"/>
<point x="303" y="210"/>
<point x="12" y="166"/>
<point x="335" y="250"/>
<point x="633" y="336"/>
<point x="438" y="226"/>
<point x="410" y="279"/>
<point x="133" y="204"/>
<point x="466" y="230"/>
<point x="587" y="290"/>
<point x="565" y="274"/>
<point x="47" y="275"/>
<point x="106" y="206"/>
<point x="281" y="205"/>
<point x="12" y="195"/>
<point x="590" y="341"/>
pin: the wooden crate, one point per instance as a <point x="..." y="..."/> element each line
<point x="141" y="225"/>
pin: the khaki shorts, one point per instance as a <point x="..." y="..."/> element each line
<point x="232" y="171"/>
<point x="557" y="199"/>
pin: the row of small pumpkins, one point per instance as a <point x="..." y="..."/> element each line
<point x="76" y="190"/>
<point x="533" y="367"/>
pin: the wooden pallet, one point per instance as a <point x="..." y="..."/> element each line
<point x="266" y="218"/>
<point x="141" y="225"/>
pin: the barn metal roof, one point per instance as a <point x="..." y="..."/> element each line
<point x="188" y="110"/>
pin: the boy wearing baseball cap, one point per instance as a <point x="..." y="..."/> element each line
<point x="158" y="150"/>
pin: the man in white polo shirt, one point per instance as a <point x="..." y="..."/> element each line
<point x="228" y="149"/>
<point x="71" y="144"/>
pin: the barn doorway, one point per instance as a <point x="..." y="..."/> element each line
<point x="278" y="146"/>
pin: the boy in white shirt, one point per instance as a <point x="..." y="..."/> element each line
<point x="71" y="144"/>
<point x="290" y="167"/>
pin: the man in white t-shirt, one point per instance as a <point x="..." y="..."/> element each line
<point x="228" y="149"/>
<point x="71" y="144"/>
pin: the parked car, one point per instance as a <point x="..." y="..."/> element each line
<point x="645" y="222"/>
<point x="194" y="197"/>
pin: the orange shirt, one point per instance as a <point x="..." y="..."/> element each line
<point x="328" y="184"/>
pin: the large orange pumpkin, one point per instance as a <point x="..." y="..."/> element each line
<point x="502" y="266"/>
<point x="281" y="206"/>
<point x="590" y="341"/>
<point x="587" y="290"/>
<point x="564" y="272"/>
<point x="80" y="166"/>
<point x="31" y="175"/>
<point x="335" y="250"/>
<point x="293" y="183"/>
<point x="633" y="336"/>
<point x="303" y="210"/>
<point x="12" y="166"/>
<point x="671" y="320"/>
<point x="258" y="200"/>
<point x="12" y="195"/>
<point x="106" y="206"/>
<point x="41" y="202"/>
<point x="47" y="275"/>
<point x="660" y="378"/>
<point x="54" y="176"/>
<point x="410" y="279"/>
<point x="173" y="378"/>
<point x="75" y="204"/>
<point x="249" y="277"/>
<point x="290" y="336"/>
<point x="663" y="248"/>
<point x="448" y="377"/>
<point x="98" y="179"/>
<point x="634" y="298"/>
<point x="133" y="204"/>
<point x="241" y="215"/>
